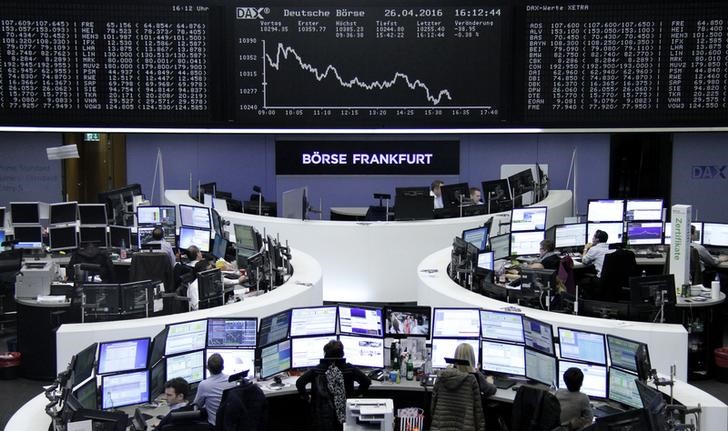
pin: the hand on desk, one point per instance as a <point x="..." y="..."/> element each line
<point x="490" y="379"/>
<point x="723" y="258"/>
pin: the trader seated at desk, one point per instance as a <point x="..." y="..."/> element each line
<point x="595" y="251"/>
<point x="176" y="393"/>
<point x="548" y="258"/>
<point x="436" y="193"/>
<point x="475" y="196"/>
<point x="576" y="412"/>
<point x="158" y="238"/>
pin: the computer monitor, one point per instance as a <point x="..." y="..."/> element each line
<point x="629" y="420"/>
<point x="209" y="285"/>
<point x="646" y="290"/>
<point x="232" y="332"/>
<point x="157" y="215"/>
<point x="604" y="309"/>
<point x="92" y="214"/>
<point x="623" y="389"/>
<point x="120" y="237"/>
<point x="313" y="321"/>
<point x="190" y="366"/>
<point x="501" y="246"/>
<point x="582" y="346"/>
<point x="540" y="367"/>
<point x="623" y="352"/>
<point x="95" y="235"/>
<point x="503" y="358"/>
<point x="360" y="321"/>
<point x="119" y="390"/>
<point x="538" y="335"/>
<point x="190" y="236"/>
<point x="501" y="326"/>
<point x="246" y="238"/>
<point x="186" y="336"/>
<point x="125" y="355"/>
<point x="403" y="322"/>
<point x="83" y="366"/>
<point x="63" y="213"/>
<point x="698" y="229"/>
<point x="453" y="193"/>
<point x="194" y="216"/>
<point x="570" y="235"/>
<point x="643" y="210"/>
<point x="496" y="191"/>
<point x="144" y="235"/>
<point x="521" y="182"/>
<point x="655" y="406"/>
<point x="477" y="236"/>
<point x="605" y="210"/>
<point x="528" y="219"/>
<point x="87" y="395"/>
<point x="445" y="348"/>
<point x="365" y="352"/>
<point x="235" y="360"/>
<point x="413" y="208"/>
<point x="595" y="378"/>
<point x="158" y="346"/>
<point x="275" y="358"/>
<point x="526" y="243"/>
<point x="536" y="279"/>
<point x="2" y="217"/>
<point x="24" y="213"/>
<point x="62" y="238"/>
<point x="614" y="231"/>
<point x="29" y="234"/>
<point x="411" y="191"/>
<point x="102" y="299"/>
<point x="137" y="297"/>
<point x="219" y="247"/>
<point x="456" y="322"/>
<point x="644" y="233"/>
<point x="206" y="189"/>
<point x="157" y="379"/>
<point x="307" y="351"/>
<point x="274" y="328"/>
<point x="715" y="234"/>
<point x="485" y="260"/>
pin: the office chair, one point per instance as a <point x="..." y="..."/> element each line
<point x="188" y="420"/>
<point x="10" y="264"/>
<point x="155" y="266"/>
<point x="618" y="267"/>
<point x="242" y="408"/>
<point x="92" y="255"/>
<point x="565" y="274"/>
<point x="535" y="409"/>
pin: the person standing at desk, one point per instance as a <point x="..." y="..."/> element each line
<point x="475" y="196"/>
<point x="158" y="238"/>
<point x="595" y="251"/>
<point x="209" y="393"/>
<point x="436" y="193"/>
<point x="576" y="412"/>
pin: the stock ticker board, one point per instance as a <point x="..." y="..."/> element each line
<point x="374" y="64"/>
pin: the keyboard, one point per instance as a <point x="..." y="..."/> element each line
<point x="503" y="383"/>
<point x="606" y="410"/>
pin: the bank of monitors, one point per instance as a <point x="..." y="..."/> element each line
<point x="614" y="231"/>
<point x="234" y="360"/>
<point x="582" y="346"/>
<point x="477" y="236"/>
<point x="501" y="326"/>
<point x="504" y="358"/>
<point x="715" y="234"/>
<point x="92" y="214"/>
<point x="120" y="237"/>
<point x="119" y="390"/>
<point x="623" y="352"/>
<point x="445" y="348"/>
<point x="274" y="328"/>
<point x="93" y="235"/>
<point x="360" y="321"/>
<point x="275" y="358"/>
<point x="540" y="367"/>
<point x="157" y="215"/>
<point x="595" y="377"/>
<point x="623" y="388"/>
<point x="191" y="236"/>
<point x="570" y="235"/>
<point x="643" y="210"/>
<point x="125" y="355"/>
<point x="500" y="246"/>
<point x="307" y="351"/>
<point x="485" y="260"/>
<point x="456" y="322"/>
<point x="526" y="243"/>
<point x="24" y="213"/>
<point x="407" y="322"/>
<point x="190" y="366"/>
<point x="365" y="352"/>
<point x="538" y="335"/>
<point x="186" y="336"/>
<point x="644" y="233"/>
<point x="527" y="219"/>
<point x="194" y="216"/>
<point x="605" y="210"/>
<point x="62" y="238"/>
<point x="231" y="332"/>
<point x="313" y="321"/>
<point x="63" y="213"/>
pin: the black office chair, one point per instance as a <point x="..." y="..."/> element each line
<point x="242" y="408"/>
<point x="535" y="409"/>
<point x="155" y="266"/>
<point x="10" y="263"/>
<point x="188" y="420"/>
<point x="92" y="255"/>
<point x="618" y="267"/>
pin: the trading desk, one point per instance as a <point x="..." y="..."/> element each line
<point x="372" y="261"/>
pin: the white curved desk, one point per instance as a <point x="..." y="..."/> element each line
<point x="372" y="261"/>
<point x="303" y="289"/>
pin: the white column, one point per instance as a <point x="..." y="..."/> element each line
<point x="679" y="258"/>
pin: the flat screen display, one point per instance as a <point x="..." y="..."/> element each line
<point x="190" y="236"/>
<point x="61" y="213"/>
<point x="503" y="358"/>
<point x="407" y="321"/>
<point x="477" y="236"/>
<point x="30" y="234"/>
<point x="715" y="234"/>
<point x="360" y="321"/>
<point x="538" y="335"/>
<point x="245" y="238"/>
<point x="120" y="237"/>
<point x="500" y="246"/>
<point x="529" y="218"/>
<point x="570" y="235"/>
<point x="62" y="238"/>
<point x="157" y="215"/>
<point x="485" y="260"/>
<point x="502" y="326"/>
<point x="595" y="378"/>
<point x="157" y="379"/>
<point x="623" y="352"/>
<point x="96" y="235"/>
<point x="698" y="230"/>
<point x="186" y="336"/>
<point x="307" y="351"/>
<point x="92" y="214"/>
<point x="87" y="394"/>
<point x="275" y="359"/>
<point x="313" y="321"/>
<point x="274" y="328"/>
<point x="363" y="351"/>
<point x="456" y="322"/>
<point x="526" y="243"/>
<point x="643" y="210"/>
<point x="190" y="366"/>
<point x="623" y="389"/>
<point x="158" y="346"/>
<point x="83" y="367"/>
<point x="126" y="355"/>
<point x="24" y="213"/>
<point x="541" y="367"/>
<point x="644" y="233"/>
<point x="605" y="210"/>
<point x="613" y="230"/>
<point x="582" y="346"/>
<point x="119" y="390"/>
<point x="445" y="348"/>
<point x="232" y="332"/>
<point x="192" y="216"/>
<point x="234" y="360"/>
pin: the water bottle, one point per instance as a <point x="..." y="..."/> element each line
<point x="410" y="370"/>
<point x="122" y="251"/>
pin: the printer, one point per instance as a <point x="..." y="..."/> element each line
<point x="369" y="414"/>
<point x="35" y="278"/>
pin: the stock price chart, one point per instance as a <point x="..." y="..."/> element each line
<point x="369" y="66"/>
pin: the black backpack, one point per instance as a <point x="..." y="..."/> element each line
<point x="535" y="409"/>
